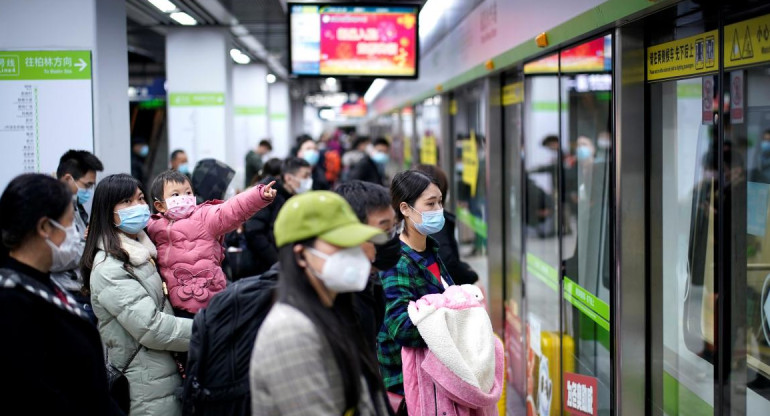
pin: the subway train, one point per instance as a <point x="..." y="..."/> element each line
<point x="609" y="180"/>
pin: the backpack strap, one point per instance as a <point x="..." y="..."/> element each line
<point x="10" y="279"/>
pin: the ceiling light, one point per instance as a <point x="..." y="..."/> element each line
<point x="239" y="57"/>
<point x="183" y="18"/>
<point x="270" y="78"/>
<point x="327" y="114"/>
<point x="431" y="13"/>
<point x="163" y="5"/>
<point x="375" y="89"/>
<point x="332" y="82"/>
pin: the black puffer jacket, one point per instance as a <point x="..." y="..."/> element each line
<point x="258" y="230"/>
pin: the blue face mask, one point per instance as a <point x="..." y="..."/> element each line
<point x="184" y="168"/>
<point x="380" y="158"/>
<point x="583" y="153"/>
<point x="84" y="195"/>
<point x="311" y="156"/>
<point x="765" y="145"/>
<point x="133" y="219"/>
<point x="432" y="222"/>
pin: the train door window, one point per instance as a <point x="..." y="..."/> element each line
<point x="746" y="166"/>
<point x="541" y="188"/>
<point x="586" y="140"/>
<point x="470" y="181"/>
<point x="683" y="195"/>
<point x="512" y="96"/>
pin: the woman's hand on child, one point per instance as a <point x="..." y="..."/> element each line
<point x="268" y="192"/>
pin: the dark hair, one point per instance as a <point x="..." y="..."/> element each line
<point x="550" y="139"/>
<point x="292" y="164"/>
<point x="406" y="187"/>
<point x="364" y="197"/>
<point x="382" y="141"/>
<point x="77" y="163"/>
<point x="270" y="169"/>
<point x="27" y="199"/>
<point x="101" y="228"/>
<point x="361" y="140"/>
<point x="175" y="153"/>
<point x="301" y="139"/>
<point x="438" y="175"/>
<point x="265" y="143"/>
<point x="338" y="324"/>
<point x="159" y="183"/>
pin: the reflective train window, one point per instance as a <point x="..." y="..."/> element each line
<point x="586" y="142"/>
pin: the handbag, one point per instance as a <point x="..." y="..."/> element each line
<point x="117" y="383"/>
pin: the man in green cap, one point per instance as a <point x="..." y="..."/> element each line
<point x="310" y="356"/>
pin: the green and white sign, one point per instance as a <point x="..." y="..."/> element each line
<point x="45" y="109"/>
<point x="196" y="99"/>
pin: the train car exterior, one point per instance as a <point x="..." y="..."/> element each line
<point x="611" y="182"/>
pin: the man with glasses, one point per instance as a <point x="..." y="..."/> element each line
<point x="371" y="203"/>
<point x="77" y="169"/>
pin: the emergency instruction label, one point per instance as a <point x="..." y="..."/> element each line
<point x="747" y="42"/>
<point x="684" y="57"/>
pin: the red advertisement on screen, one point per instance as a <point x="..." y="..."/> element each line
<point x="581" y="395"/>
<point x="368" y="43"/>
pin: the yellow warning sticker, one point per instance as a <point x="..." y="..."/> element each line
<point x="513" y="93"/>
<point x="684" y="57"/>
<point x="428" y="152"/>
<point x="470" y="163"/>
<point x="747" y="42"/>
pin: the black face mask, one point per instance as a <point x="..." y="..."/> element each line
<point x="388" y="254"/>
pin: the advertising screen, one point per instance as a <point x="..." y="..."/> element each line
<point x="353" y="40"/>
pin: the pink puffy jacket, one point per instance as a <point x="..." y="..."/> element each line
<point x="190" y="250"/>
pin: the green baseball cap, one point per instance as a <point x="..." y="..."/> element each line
<point x="324" y="215"/>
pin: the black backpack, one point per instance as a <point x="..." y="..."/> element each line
<point x="223" y="335"/>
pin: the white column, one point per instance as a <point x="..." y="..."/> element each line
<point x="98" y="28"/>
<point x="198" y="82"/>
<point x="279" y="110"/>
<point x="250" y="108"/>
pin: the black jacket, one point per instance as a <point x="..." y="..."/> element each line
<point x="369" y="305"/>
<point x="458" y="270"/>
<point x="366" y="170"/>
<point x="258" y="230"/>
<point x="51" y="357"/>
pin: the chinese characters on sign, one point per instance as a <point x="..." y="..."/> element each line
<point x="683" y="57"/>
<point x="580" y="394"/>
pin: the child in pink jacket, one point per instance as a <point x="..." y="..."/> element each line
<point x="189" y="237"/>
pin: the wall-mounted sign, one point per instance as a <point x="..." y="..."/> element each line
<point x="694" y="55"/>
<point x="45" y="109"/>
<point x="513" y="93"/>
<point x="736" y="97"/>
<point x="747" y="42"/>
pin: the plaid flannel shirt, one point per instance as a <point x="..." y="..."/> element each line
<point x="408" y="281"/>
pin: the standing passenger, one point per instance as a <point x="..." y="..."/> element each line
<point x="310" y="357"/>
<point x="417" y="201"/>
<point x="178" y="162"/>
<point x="254" y="162"/>
<point x="136" y="321"/>
<point x="51" y="356"/>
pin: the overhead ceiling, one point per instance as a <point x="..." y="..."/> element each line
<point x="263" y="20"/>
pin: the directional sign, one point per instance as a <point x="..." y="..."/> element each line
<point x="45" y="109"/>
<point x="747" y="42"/>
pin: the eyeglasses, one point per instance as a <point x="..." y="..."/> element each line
<point x="394" y="231"/>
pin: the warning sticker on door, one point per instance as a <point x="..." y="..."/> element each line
<point x="684" y="57"/>
<point x="747" y="42"/>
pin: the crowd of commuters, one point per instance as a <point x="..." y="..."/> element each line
<point x="127" y="284"/>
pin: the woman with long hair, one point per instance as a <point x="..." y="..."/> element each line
<point x="51" y="356"/>
<point x="310" y="356"/>
<point x="136" y="322"/>
<point x="417" y="201"/>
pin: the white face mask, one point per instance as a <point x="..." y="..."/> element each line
<point x="344" y="271"/>
<point x="304" y="185"/>
<point x="62" y="254"/>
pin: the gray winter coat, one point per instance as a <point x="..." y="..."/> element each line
<point x="130" y="316"/>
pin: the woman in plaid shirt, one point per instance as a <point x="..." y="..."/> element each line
<point x="417" y="201"/>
